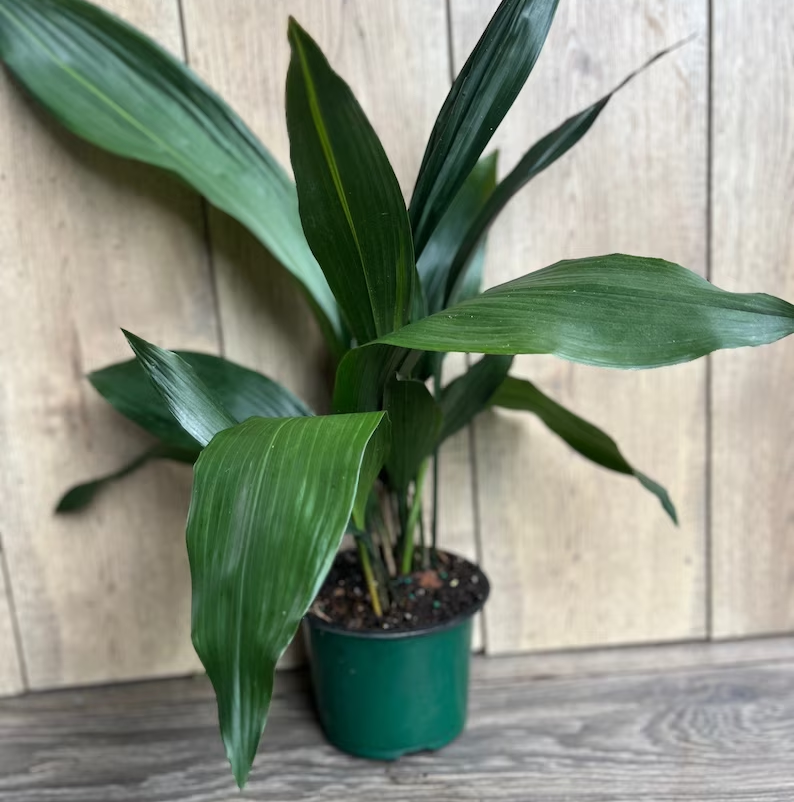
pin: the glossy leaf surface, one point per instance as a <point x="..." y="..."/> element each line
<point x="271" y="501"/>
<point x="444" y="245"/>
<point x="580" y="435"/>
<point x="115" y="87"/>
<point x="610" y="311"/>
<point x="351" y="204"/>
<point x="479" y="98"/>
<point x="243" y="392"/>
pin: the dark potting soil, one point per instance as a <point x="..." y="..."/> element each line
<point x="426" y="597"/>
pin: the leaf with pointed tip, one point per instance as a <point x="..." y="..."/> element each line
<point x="197" y="409"/>
<point x="83" y="494"/>
<point x="540" y="156"/>
<point x="243" y="392"/>
<point x="415" y="423"/>
<point x="480" y="97"/>
<point x="439" y="254"/>
<point x="580" y="435"/>
<point x="271" y="501"/>
<point x="351" y="204"/>
<point x="609" y="311"/>
<point x="469" y="394"/>
<point x="115" y="87"/>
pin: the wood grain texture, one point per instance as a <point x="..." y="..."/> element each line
<point x="695" y="734"/>
<point x="577" y="555"/>
<point x="241" y="50"/>
<point x="11" y="679"/>
<point x="89" y="243"/>
<point x="753" y="250"/>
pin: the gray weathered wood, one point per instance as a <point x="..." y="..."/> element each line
<point x="695" y="734"/>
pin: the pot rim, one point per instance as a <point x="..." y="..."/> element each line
<point x="315" y="622"/>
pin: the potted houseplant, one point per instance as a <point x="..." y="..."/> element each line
<point x="394" y="289"/>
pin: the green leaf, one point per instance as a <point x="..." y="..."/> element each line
<point x="115" y="87"/>
<point x="540" y="156"/>
<point x="197" y="409"/>
<point x="81" y="495"/>
<point x="351" y="205"/>
<point x="582" y="436"/>
<point x="415" y="423"/>
<point x="243" y="392"/>
<point x="610" y="311"/>
<point x="363" y="373"/>
<point x="439" y="253"/>
<point x="480" y="97"/>
<point x="271" y="502"/>
<point x="469" y="394"/>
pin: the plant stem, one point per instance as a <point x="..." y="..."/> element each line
<point x="416" y="511"/>
<point x="434" y="523"/>
<point x="372" y="585"/>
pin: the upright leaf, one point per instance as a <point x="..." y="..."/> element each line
<point x="115" y="87"/>
<point x="439" y="254"/>
<point x="415" y="423"/>
<point x="580" y="435"/>
<point x="480" y="97"/>
<point x="271" y="501"/>
<point x="540" y="156"/>
<point x="351" y="205"/>
<point x="469" y="394"/>
<point x="243" y="392"/>
<point x="197" y="409"/>
<point x="610" y="311"/>
<point x="363" y="374"/>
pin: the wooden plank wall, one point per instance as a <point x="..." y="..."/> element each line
<point x="578" y="556"/>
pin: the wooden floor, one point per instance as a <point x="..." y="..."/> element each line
<point x="665" y="723"/>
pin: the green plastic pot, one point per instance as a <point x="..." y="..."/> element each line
<point x="381" y="695"/>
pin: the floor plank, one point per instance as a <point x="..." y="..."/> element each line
<point x="696" y="733"/>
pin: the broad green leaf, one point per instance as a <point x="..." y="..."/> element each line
<point x="442" y="247"/>
<point x="197" y="409"/>
<point x="363" y="373"/>
<point x="610" y="311"/>
<point x="243" y="392"/>
<point x="469" y="394"/>
<point x="81" y="495"/>
<point x="480" y="97"/>
<point x="115" y="87"/>
<point x="271" y="501"/>
<point x="415" y="423"/>
<point x="582" y="436"/>
<point x="351" y="205"/>
<point x="540" y="156"/>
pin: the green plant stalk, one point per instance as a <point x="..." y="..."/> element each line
<point x="416" y="510"/>
<point x="434" y="523"/>
<point x="372" y="585"/>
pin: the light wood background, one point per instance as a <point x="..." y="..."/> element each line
<point x="693" y="162"/>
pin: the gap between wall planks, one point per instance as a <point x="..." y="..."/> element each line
<point x="89" y="243"/>
<point x="241" y="49"/>
<point x="12" y="680"/>
<point x="576" y="555"/>
<point x="753" y="249"/>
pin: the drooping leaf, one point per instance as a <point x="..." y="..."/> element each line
<point x="582" y="436"/>
<point x="415" y="423"/>
<point x="115" y="87"/>
<point x="196" y="408"/>
<point x="610" y="311"/>
<point x="271" y="501"/>
<point x="81" y="495"/>
<point x="362" y="376"/>
<point x="351" y="205"/>
<point x="439" y="253"/>
<point x="479" y="98"/>
<point x="469" y="394"/>
<point x="540" y="156"/>
<point x="243" y="392"/>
